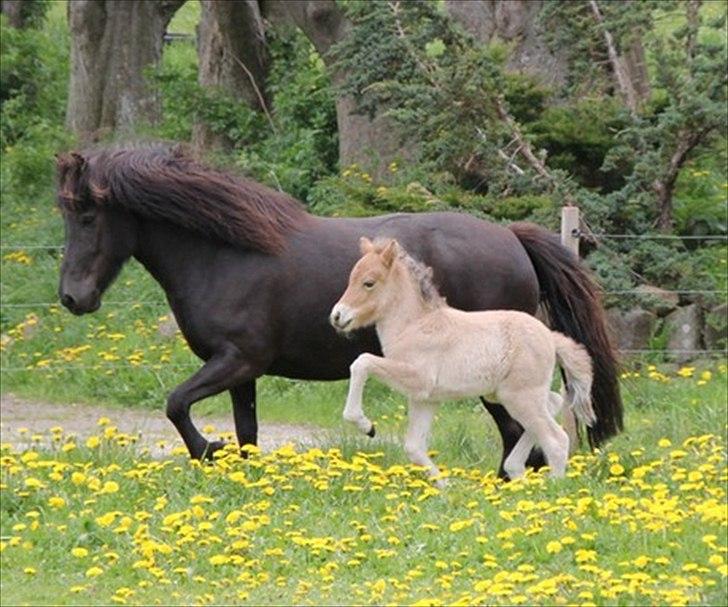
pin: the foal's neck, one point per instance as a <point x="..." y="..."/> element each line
<point x="406" y="307"/>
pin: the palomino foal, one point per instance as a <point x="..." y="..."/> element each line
<point x="433" y="353"/>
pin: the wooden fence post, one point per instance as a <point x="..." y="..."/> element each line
<point x="570" y="228"/>
<point x="570" y="239"/>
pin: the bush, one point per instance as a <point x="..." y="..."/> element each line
<point x="33" y="77"/>
<point x="33" y="91"/>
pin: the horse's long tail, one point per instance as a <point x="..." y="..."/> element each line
<point x="577" y="365"/>
<point x="572" y="300"/>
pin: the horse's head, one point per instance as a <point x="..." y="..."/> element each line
<point x="100" y="236"/>
<point x="369" y="290"/>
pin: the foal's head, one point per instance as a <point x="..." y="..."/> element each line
<point x="370" y="287"/>
<point x="375" y="282"/>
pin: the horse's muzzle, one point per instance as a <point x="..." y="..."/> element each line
<point x="81" y="305"/>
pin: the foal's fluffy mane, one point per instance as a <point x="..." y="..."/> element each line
<point x="420" y="273"/>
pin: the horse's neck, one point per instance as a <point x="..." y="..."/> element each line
<point x="168" y="253"/>
<point x="406" y="308"/>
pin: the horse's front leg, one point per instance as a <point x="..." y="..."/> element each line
<point x="222" y="372"/>
<point x="244" y="414"/>
<point x="399" y="376"/>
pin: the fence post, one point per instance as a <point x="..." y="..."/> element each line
<point x="570" y="228"/>
<point x="570" y="239"/>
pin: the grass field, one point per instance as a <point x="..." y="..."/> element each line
<point x="94" y="520"/>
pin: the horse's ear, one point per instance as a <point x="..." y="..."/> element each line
<point x="365" y="245"/>
<point x="389" y="253"/>
<point x="72" y="162"/>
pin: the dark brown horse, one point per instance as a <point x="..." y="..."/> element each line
<point x="251" y="276"/>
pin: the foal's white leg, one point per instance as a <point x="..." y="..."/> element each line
<point x="399" y="376"/>
<point x="415" y="441"/>
<point x="531" y="409"/>
<point x="515" y="464"/>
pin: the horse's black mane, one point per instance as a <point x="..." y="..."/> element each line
<point x="166" y="183"/>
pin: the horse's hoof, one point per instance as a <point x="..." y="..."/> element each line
<point x="372" y="431"/>
<point x="211" y="448"/>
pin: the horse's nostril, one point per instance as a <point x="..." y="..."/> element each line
<point x="67" y="300"/>
<point x="337" y="316"/>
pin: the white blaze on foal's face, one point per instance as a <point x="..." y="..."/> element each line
<point x="363" y="299"/>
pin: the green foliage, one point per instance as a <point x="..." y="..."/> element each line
<point x="578" y="137"/>
<point x="33" y="92"/>
<point x="411" y="62"/>
<point x="293" y="151"/>
<point x="301" y="146"/>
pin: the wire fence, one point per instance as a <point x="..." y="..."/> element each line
<point x="132" y="303"/>
<point x="575" y="233"/>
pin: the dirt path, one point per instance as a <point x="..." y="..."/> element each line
<point x="81" y="420"/>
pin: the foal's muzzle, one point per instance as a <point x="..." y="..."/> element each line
<point x="341" y="317"/>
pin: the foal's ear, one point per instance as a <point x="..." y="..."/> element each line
<point x="365" y="245"/>
<point x="389" y="253"/>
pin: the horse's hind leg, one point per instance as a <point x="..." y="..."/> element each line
<point x="531" y="409"/>
<point x="510" y="431"/>
<point x="515" y="464"/>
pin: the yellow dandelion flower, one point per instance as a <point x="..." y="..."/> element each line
<point x="56" y="502"/>
<point x="93" y="441"/>
<point x="616" y="469"/>
<point x="94" y="571"/>
<point x="79" y="552"/>
<point x="110" y="487"/>
<point x="554" y="547"/>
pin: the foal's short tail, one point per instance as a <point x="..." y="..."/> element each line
<point x="572" y="300"/>
<point x="577" y="364"/>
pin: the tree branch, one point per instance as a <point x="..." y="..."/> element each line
<point x="258" y="93"/>
<point x="620" y="73"/>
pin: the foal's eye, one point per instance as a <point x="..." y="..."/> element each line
<point x="368" y="284"/>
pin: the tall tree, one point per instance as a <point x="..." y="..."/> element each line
<point x="373" y="141"/>
<point x="516" y="23"/>
<point x="112" y="43"/>
<point x="232" y="57"/>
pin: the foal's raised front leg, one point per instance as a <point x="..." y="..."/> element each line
<point x="397" y="375"/>
<point x="222" y="372"/>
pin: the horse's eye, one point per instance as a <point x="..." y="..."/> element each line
<point x="369" y="284"/>
<point x="87" y="219"/>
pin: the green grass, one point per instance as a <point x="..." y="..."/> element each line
<point x="641" y="523"/>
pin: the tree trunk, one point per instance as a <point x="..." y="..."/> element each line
<point x="232" y="57"/>
<point x="635" y="63"/>
<point x="621" y="75"/>
<point x="370" y="143"/>
<point x="514" y="22"/>
<point x="664" y="185"/>
<point x="13" y="10"/>
<point x="112" y="43"/>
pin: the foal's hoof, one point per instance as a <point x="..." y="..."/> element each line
<point x="372" y="431"/>
<point x="209" y="453"/>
